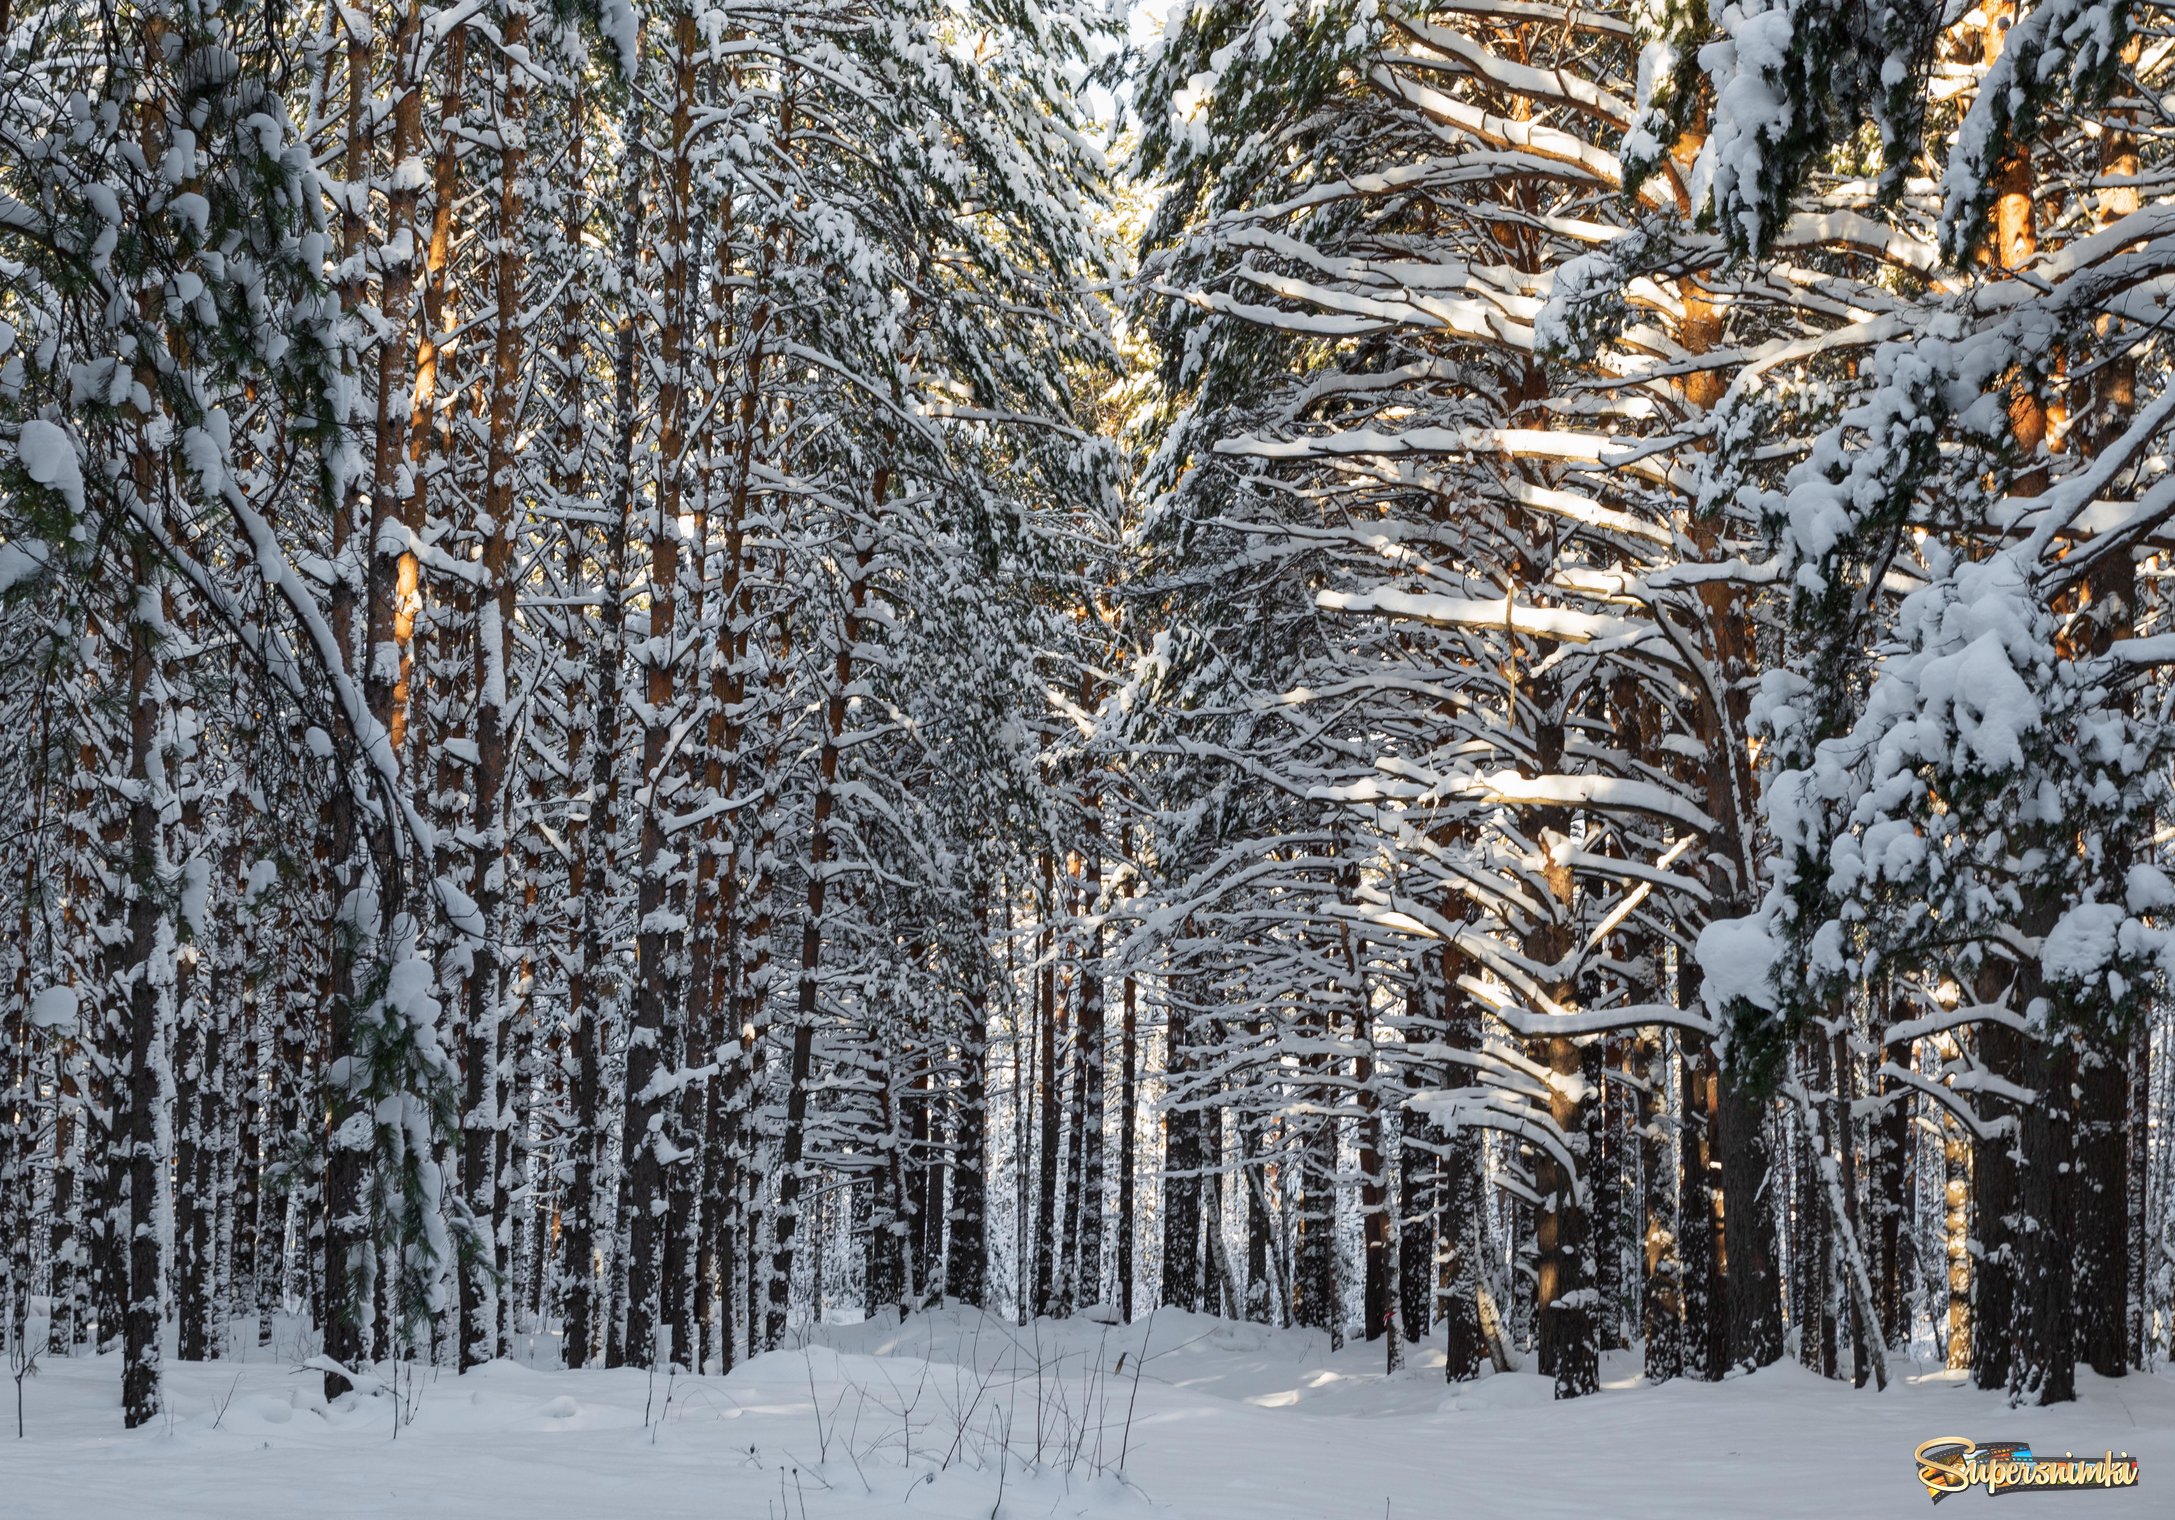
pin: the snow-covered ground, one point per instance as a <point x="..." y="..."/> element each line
<point x="960" y="1415"/>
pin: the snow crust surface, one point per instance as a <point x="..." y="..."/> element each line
<point x="956" y="1415"/>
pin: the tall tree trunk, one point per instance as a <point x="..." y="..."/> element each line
<point x="1605" y="1174"/>
<point x="654" y="1044"/>
<point x="1314" y="1289"/>
<point x="142" y="1093"/>
<point x="485" y="1267"/>
<point x="1048" y="1113"/>
<point x="2043" y="1367"/>
<point x="821" y="851"/>
<point x="1956" y="1194"/>
<point x="1088" y="1201"/>
<point x="1699" y="1234"/>
<point x="594" y="983"/>
<point x="1892" y="1173"/>
<point x="1462" y="1274"/>
<point x="1833" y="1183"/>
<point x="1419" y="1171"/>
<point x="1128" y="1121"/>
<point x="1661" y="1299"/>
<point x="194" y="1210"/>
<point x="1750" y="1281"/>
<point x="966" y="1267"/>
<point x="1181" y="1284"/>
<point x="2102" y="1180"/>
<point x="2139" y="1223"/>
<point x="1377" y="1270"/>
<point x="17" y="1137"/>
<point x="391" y="598"/>
<point x="1569" y="1345"/>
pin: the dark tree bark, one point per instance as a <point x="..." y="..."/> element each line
<point x="1049" y="1116"/>
<point x="2043" y="1327"/>
<point x="1956" y="1158"/>
<point x="1812" y="1255"/>
<point x="1994" y="1204"/>
<point x="821" y="851"/>
<point x="1891" y="1208"/>
<point x="2043" y="1367"/>
<point x="1750" y="1280"/>
<point x="1088" y="1201"/>
<point x="138" y="1120"/>
<point x="1565" y="1291"/>
<point x="1128" y="1119"/>
<point x="1661" y="1299"/>
<point x="1315" y="1298"/>
<point x="966" y="1266"/>
<point x="1460" y="1272"/>
<point x="656" y="1039"/>
<point x="1419" y="1175"/>
<point x="1181" y="1286"/>
<point x="930" y="1213"/>
<point x="194" y="1206"/>
<point x="1377" y="1309"/>
<point x="1604" y="1132"/>
<point x="2138" y="1193"/>
<point x="1706" y="1321"/>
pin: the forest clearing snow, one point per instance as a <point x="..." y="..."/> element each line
<point x="957" y="1414"/>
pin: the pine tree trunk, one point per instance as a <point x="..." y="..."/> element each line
<point x="1377" y="1290"/>
<point x="1706" y="1319"/>
<point x="794" y="1139"/>
<point x="1892" y="1173"/>
<point x="1957" y="1203"/>
<point x="1048" y="1117"/>
<point x="2101" y="1182"/>
<point x="1807" y="1224"/>
<point x="2138" y="1196"/>
<point x="2043" y="1367"/>
<point x="654" y="1045"/>
<point x="484" y="1274"/>
<point x="1378" y="1302"/>
<point x="67" y="1288"/>
<point x="1750" y="1282"/>
<point x="1262" y="1297"/>
<point x="595" y="983"/>
<point x="1419" y="1172"/>
<point x="1851" y="1234"/>
<point x="1461" y="1272"/>
<point x="1181" y="1165"/>
<point x="1844" y="1255"/>
<point x="931" y="1286"/>
<point x="1128" y="1121"/>
<point x="137" y="1122"/>
<point x="911" y="1182"/>
<point x="1661" y="1299"/>
<point x="966" y="1267"/>
<point x="1606" y="1185"/>
<point x="192" y="1208"/>
<point x="196" y="1101"/>
<point x="1565" y="1291"/>
<point x="391" y="599"/>
<point x="1088" y="1201"/>
<point x="16" y="1136"/>
<point x="1994" y="1209"/>
<point x="1314" y="1249"/>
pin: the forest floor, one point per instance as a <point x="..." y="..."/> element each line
<point x="958" y="1415"/>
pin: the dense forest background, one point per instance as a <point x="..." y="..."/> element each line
<point x="1491" y="672"/>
